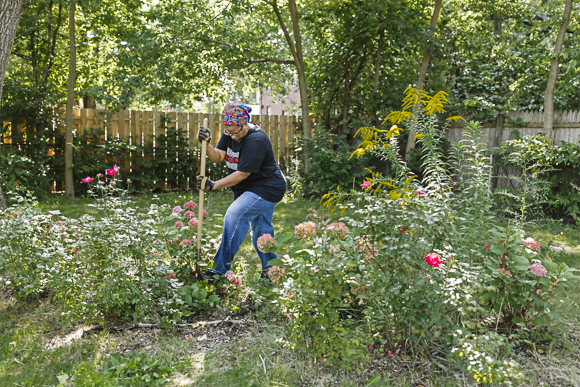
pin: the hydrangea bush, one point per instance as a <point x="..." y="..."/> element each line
<point x="130" y="263"/>
<point x="414" y="262"/>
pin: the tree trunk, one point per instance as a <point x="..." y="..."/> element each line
<point x="378" y="61"/>
<point x="68" y="149"/>
<point x="551" y="86"/>
<point x="3" y="202"/>
<point x="10" y="13"/>
<point x="497" y="19"/>
<point x="299" y="59"/>
<point x="422" y="73"/>
<point x="374" y="120"/>
<point x="496" y="144"/>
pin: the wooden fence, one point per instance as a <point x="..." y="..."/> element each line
<point x="527" y="123"/>
<point x="141" y="128"/>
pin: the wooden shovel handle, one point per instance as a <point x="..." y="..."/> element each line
<point x="201" y="192"/>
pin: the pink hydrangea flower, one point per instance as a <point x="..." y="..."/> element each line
<point x="185" y="242"/>
<point x="176" y="210"/>
<point x="337" y="229"/>
<point x="189" y="215"/>
<point x="487" y="246"/>
<point x="366" y="184"/>
<point x="305" y="230"/>
<point x="276" y="274"/>
<point x="191" y="205"/>
<point x="531" y="244"/>
<point x="539" y="269"/>
<point x="178" y="224"/>
<point x="367" y="250"/>
<point x="262" y="242"/>
<point x="230" y="275"/>
<point x="87" y="179"/>
<point x="204" y="213"/>
<point x="433" y="259"/>
<point x="192" y="222"/>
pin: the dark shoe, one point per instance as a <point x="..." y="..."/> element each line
<point x="209" y="276"/>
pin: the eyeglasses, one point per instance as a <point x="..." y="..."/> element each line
<point x="233" y="134"/>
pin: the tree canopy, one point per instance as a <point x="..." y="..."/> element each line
<point x="358" y="56"/>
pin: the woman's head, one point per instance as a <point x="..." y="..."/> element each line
<point x="236" y="114"/>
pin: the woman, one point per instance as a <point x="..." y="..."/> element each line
<point x="255" y="179"/>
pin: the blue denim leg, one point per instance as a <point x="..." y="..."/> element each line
<point x="241" y="213"/>
<point x="263" y="225"/>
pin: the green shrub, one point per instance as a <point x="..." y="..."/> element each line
<point x="410" y="269"/>
<point x="550" y="181"/>
<point x="137" y="371"/>
<point x="130" y="263"/>
<point x="522" y="279"/>
<point x="22" y="175"/>
<point x="330" y="165"/>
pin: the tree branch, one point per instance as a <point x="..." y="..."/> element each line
<point x="274" y="5"/>
<point x="265" y="58"/>
<point x="251" y="62"/>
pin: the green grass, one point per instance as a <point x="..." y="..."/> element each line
<point x="33" y="350"/>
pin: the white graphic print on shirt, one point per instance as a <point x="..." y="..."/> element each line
<point x="232" y="159"/>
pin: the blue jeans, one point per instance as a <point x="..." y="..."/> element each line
<point x="247" y="210"/>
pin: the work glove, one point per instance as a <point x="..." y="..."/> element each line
<point x="204" y="134"/>
<point x="204" y="183"/>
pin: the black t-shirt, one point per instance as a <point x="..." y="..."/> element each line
<point x="254" y="154"/>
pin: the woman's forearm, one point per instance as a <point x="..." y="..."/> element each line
<point x="213" y="154"/>
<point x="230" y="180"/>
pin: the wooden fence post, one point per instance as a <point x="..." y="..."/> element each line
<point x="274" y="136"/>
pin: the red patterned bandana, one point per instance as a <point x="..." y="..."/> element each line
<point x="236" y="114"/>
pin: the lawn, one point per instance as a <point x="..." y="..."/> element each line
<point x="243" y="344"/>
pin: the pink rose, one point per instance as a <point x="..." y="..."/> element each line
<point x="116" y="168"/>
<point x="112" y="183"/>
<point x="110" y="172"/>
<point x="433" y="259"/>
<point x="421" y="192"/>
<point x="87" y="179"/>
<point x="366" y="184"/>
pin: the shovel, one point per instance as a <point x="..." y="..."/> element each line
<point x="200" y="206"/>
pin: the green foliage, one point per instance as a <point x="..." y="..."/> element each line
<point x="410" y="268"/>
<point x="130" y="263"/>
<point x="137" y="371"/>
<point x="488" y="357"/>
<point x="20" y="174"/>
<point x="550" y="183"/>
<point x="518" y="294"/>
<point x="329" y="166"/>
